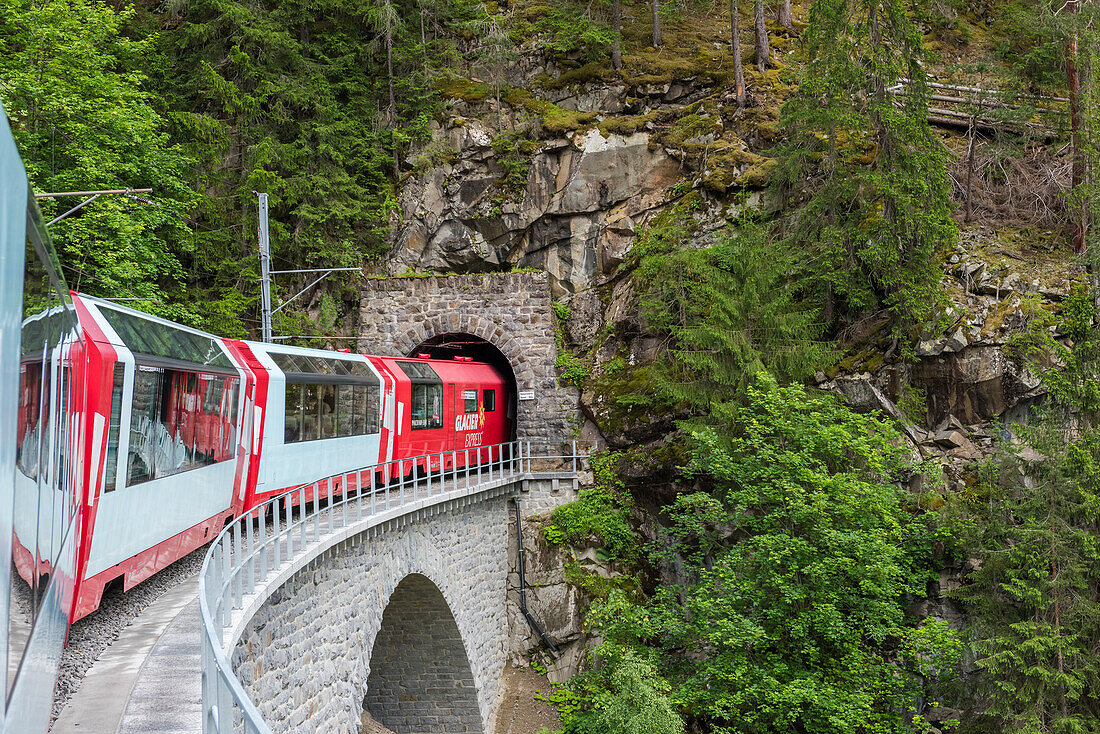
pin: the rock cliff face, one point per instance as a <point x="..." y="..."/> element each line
<point x="583" y="199"/>
<point x="575" y="208"/>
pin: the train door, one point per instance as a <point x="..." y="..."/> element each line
<point x="450" y="399"/>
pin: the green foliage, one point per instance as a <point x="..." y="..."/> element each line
<point x="74" y="86"/>
<point x="513" y="151"/>
<point x="798" y="553"/>
<point x="568" y="29"/>
<point x="730" y="311"/>
<point x="866" y="177"/>
<point x="600" y="515"/>
<point x="913" y="404"/>
<point x="1031" y="522"/>
<point x="626" y="696"/>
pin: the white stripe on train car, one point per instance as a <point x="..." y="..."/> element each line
<point x="257" y="425"/>
<point x="98" y="431"/>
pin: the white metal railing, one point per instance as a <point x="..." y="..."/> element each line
<point x="255" y="546"/>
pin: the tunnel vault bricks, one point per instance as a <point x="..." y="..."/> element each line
<point x="420" y="677"/>
<point x="409" y="619"/>
<point x="512" y="311"/>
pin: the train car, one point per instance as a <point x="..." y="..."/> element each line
<point x="457" y="407"/>
<point x="165" y="459"/>
<point x="43" y="446"/>
<point x="318" y="414"/>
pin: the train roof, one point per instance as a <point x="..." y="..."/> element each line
<point x="426" y="370"/>
<point x="153" y="336"/>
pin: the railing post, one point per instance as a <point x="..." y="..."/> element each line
<point x="373" y="497"/>
<point x="530" y="466"/>
<point x="316" y="512"/>
<point x="490" y="463"/>
<point x="251" y="577"/>
<point x="224" y="582"/>
<point x="302" y="518"/>
<point x="454" y="469"/>
<point x="466" y="468"/>
<point x="416" y="478"/>
<point x="263" y="544"/>
<point x="238" y="553"/>
<point x="331" y="509"/>
<point x="276" y="538"/>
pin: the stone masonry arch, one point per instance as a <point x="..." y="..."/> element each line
<point x="420" y="677"/>
<point x="306" y="657"/>
<point x="513" y="311"/>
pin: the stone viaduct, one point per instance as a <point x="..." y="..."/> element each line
<point x="408" y="615"/>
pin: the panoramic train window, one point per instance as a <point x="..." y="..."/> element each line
<point x="327" y="397"/>
<point x="109" y="472"/>
<point x="181" y="420"/>
<point x="489" y="400"/>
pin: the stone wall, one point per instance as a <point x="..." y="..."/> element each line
<point x="306" y="656"/>
<point x="513" y="311"/>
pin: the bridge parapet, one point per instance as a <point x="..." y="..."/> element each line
<point x="276" y="544"/>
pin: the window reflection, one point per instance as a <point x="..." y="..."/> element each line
<point x="180" y="420"/>
<point x="427" y="406"/>
<point x="45" y="490"/>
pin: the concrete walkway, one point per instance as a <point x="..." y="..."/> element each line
<point x="148" y="680"/>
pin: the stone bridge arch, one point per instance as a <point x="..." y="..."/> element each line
<point x="307" y="657"/>
<point x="420" y="675"/>
<point x="512" y="311"/>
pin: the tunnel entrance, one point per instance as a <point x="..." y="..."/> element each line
<point x="420" y="679"/>
<point x="456" y="344"/>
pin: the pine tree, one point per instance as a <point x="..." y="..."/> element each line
<point x="1033" y="523"/>
<point x="763" y="46"/>
<point x="729" y="311"/>
<point x="785" y="19"/>
<point x="655" y="8"/>
<point x="735" y="51"/>
<point x="869" y="175"/>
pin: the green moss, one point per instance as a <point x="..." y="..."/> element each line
<point x="554" y="120"/>
<point x="758" y="176"/>
<point x="627" y="125"/>
<point x="589" y="72"/>
<point x="467" y="90"/>
<point x="558" y="121"/>
<point x="724" y="164"/>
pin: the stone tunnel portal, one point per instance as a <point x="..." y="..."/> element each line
<point x="457" y="344"/>
<point x="420" y="678"/>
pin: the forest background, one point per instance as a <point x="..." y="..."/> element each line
<point x="768" y="583"/>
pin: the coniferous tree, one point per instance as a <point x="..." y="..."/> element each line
<point x="617" y="29"/>
<point x="735" y="51"/>
<point x="655" y="7"/>
<point x="785" y="19"/>
<point x="865" y="176"/>
<point x="1032" y="524"/>
<point x="763" y="47"/>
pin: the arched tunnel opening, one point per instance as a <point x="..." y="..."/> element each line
<point x="458" y="344"/>
<point x="420" y="679"/>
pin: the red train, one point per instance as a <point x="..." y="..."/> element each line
<point x="183" y="431"/>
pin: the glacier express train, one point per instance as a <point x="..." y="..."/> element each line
<point x="187" y="430"/>
<point x="128" y="441"/>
